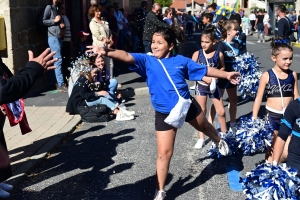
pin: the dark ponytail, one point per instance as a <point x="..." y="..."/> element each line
<point x="173" y="35"/>
<point x="278" y="45"/>
<point x="210" y="31"/>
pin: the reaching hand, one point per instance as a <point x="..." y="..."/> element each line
<point x="45" y="59"/>
<point x="97" y="50"/>
<point x="234" y="77"/>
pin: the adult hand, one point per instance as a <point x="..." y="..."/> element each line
<point x="62" y="25"/>
<point x="233" y="77"/>
<point x="45" y="59"/>
<point x="57" y="18"/>
<point x="3" y="111"/>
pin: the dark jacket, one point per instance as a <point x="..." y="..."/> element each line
<point x="152" y="22"/>
<point x="12" y="89"/>
<point x="80" y="92"/>
<point x="140" y="21"/>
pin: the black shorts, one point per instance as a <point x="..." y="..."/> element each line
<point x="274" y="119"/>
<point x="161" y="125"/>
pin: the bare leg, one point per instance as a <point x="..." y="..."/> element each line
<point x="165" y="147"/>
<point x="269" y="153"/>
<point x="212" y="110"/>
<point x="284" y="154"/>
<point x="202" y="100"/>
<point x="221" y="113"/>
<point x="201" y="124"/>
<point x="233" y="99"/>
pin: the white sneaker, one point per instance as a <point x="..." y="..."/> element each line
<point x="223" y="148"/>
<point x="127" y="112"/>
<point x="159" y="195"/>
<point x="193" y="87"/>
<point x="258" y="41"/>
<point x="6" y="187"/>
<point x="263" y="41"/>
<point x="199" y="144"/>
<point x="4" y="194"/>
<point x="121" y="116"/>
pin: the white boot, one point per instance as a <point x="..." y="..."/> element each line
<point x="121" y="116"/>
<point x="127" y="112"/>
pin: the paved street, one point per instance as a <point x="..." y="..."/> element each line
<point x="116" y="160"/>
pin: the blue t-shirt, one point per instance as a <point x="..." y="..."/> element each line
<point x="162" y="93"/>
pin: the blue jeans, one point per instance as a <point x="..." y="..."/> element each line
<point x="147" y="46"/>
<point x="112" y="87"/>
<point x="55" y="45"/>
<point x="298" y="33"/>
<point x="106" y="100"/>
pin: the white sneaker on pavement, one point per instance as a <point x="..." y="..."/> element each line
<point x="127" y="112"/>
<point x="199" y="144"/>
<point x="159" y="195"/>
<point x="6" y="187"/>
<point x="4" y="194"/>
<point x="258" y="41"/>
<point x="121" y="116"/>
<point x="223" y="148"/>
<point x="263" y="41"/>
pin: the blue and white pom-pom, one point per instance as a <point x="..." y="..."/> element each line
<point x="229" y="138"/>
<point x="271" y="182"/>
<point x="253" y="136"/>
<point x="248" y="67"/>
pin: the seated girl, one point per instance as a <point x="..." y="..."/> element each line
<point x="84" y="94"/>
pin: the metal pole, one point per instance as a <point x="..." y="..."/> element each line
<point x="192" y="7"/>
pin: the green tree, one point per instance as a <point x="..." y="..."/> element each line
<point x="164" y="3"/>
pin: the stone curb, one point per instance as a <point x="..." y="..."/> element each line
<point x="22" y="171"/>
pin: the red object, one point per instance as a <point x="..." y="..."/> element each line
<point x="227" y="4"/>
<point x="82" y="33"/>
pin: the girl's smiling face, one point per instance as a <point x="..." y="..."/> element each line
<point x="284" y="59"/>
<point x="99" y="62"/>
<point x="160" y="47"/>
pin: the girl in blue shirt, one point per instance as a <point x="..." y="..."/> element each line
<point x="212" y="58"/>
<point x="163" y="95"/>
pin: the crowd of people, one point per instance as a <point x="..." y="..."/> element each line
<point x="148" y="42"/>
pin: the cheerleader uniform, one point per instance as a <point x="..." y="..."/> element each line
<point x="291" y="124"/>
<point x="273" y="90"/>
<point x="202" y="89"/>
<point x="230" y="51"/>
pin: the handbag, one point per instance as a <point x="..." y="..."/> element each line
<point x="94" y="114"/>
<point x="212" y="85"/>
<point x="176" y="117"/>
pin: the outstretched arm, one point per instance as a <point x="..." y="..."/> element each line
<point x="231" y="76"/>
<point x="112" y="53"/>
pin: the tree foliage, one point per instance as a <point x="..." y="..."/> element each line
<point x="164" y="3"/>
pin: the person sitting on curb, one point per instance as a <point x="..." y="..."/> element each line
<point x="12" y="89"/>
<point x="85" y="93"/>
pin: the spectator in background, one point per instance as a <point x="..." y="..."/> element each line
<point x="53" y="20"/>
<point x="252" y="19"/>
<point x="168" y="16"/>
<point x="298" y="22"/>
<point x="81" y="43"/>
<point x="134" y="34"/>
<point x="92" y="2"/>
<point x="293" y="19"/>
<point x="284" y="24"/>
<point x="101" y="33"/>
<point x="140" y="21"/>
<point x="190" y="26"/>
<point x="246" y="24"/>
<point x="259" y="25"/>
<point x="152" y="22"/>
<point x="266" y="22"/>
<point x="66" y="43"/>
<point x="120" y="19"/>
<point x="113" y="25"/>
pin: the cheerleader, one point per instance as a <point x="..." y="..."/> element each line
<point x="280" y="86"/>
<point x="212" y="58"/>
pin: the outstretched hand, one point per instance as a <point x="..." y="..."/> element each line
<point x="96" y="50"/>
<point x="234" y="77"/>
<point x="45" y="59"/>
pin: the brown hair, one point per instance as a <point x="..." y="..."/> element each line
<point x="93" y="9"/>
<point x="167" y="11"/>
<point x="276" y="47"/>
<point x="226" y="26"/>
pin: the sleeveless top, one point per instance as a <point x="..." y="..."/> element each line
<point x="287" y="85"/>
<point x="213" y="61"/>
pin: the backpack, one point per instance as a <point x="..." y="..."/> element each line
<point x="290" y="29"/>
<point x="94" y="114"/>
<point x="40" y="27"/>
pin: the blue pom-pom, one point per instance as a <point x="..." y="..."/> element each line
<point x="271" y="182"/>
<point x="248" y="67"/>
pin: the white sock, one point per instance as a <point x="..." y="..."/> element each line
<point x="232" y="124"/>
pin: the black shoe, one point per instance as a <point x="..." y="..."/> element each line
<point x="62" y="88"/>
